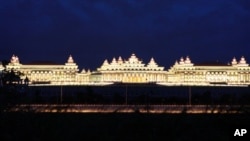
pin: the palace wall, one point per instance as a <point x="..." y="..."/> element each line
<point x="133" y="70"/>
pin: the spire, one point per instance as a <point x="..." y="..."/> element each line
<point x="242" y="60"/>
<point x="187" y="61"/>
<point x="152" y="60"/>
<point x="120" y="60"/>
<point x="113" y="61"/>
<point x="176" y="62"/>
<point x="70" y="64"/>
<point x="83" y="71"/>
<point x="152" y="63"/>
<point x="234" y="61"/>
<point x="14" y="59"/>
<point x="133" y="56"/>
<point x="17" y="59"/>
<point x="181" y="61"/>
<point x="133" y="59"/>
<point x="105" y="63"/>
<point x="70" y="59"/>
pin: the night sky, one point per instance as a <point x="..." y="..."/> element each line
<point x="93" y="30"/>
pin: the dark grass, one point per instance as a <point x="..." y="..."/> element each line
<point x="115" y="127"/>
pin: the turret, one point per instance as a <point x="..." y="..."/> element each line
<point x="120" y="60"/>
<point x="234" y="61"/>
<point x="176" y="63"/>
<point x="105" y="63"/>
<point x="187" y="61"/>
<point x="113" y="61"/>
<point x="70" y="64"/>
<point x="70" y="59"/>
<point x="133" y="59"/>
<point x="83" y="71"/>
<point x="14" y="60"/>
<point x="152" y="63"/>
<point x="242" y="62"/>
<point x="181" y="61"/>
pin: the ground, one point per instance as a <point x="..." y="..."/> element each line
<point x="136" y="126"/>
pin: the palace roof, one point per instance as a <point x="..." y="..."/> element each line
<point x="133" y="63"/>
<point x="187" y="63"/>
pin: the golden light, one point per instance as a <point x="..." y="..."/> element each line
<point x="133" y="70"/>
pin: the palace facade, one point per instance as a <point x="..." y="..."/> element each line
<point x="185" y="72"/>
<point x="50" y="73"/>
<point x="133" y="70"/>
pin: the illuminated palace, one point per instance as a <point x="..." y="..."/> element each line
<point x="133" y="70"/>
<point x="50" y="73"/>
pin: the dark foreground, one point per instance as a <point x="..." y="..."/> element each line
<point x="116" y="126"/>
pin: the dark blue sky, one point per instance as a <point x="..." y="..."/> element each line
<point x="91" y="31"/>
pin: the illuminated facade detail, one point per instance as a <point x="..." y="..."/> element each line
<point x="1" y="67"/>
<point x="186" y="73"/>
<point x="1" y="70"/>
<point x="46" y="73"/>
<point x="133" y="70"/>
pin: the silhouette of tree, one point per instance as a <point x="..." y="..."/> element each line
<point x="10" y="89"/>
<point x="11" y="77"/>
<point x="5" y="63"/>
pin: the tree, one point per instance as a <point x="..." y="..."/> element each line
<point x="11" y="77"/>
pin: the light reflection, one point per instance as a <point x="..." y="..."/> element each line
<point x="152" y="109"/>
